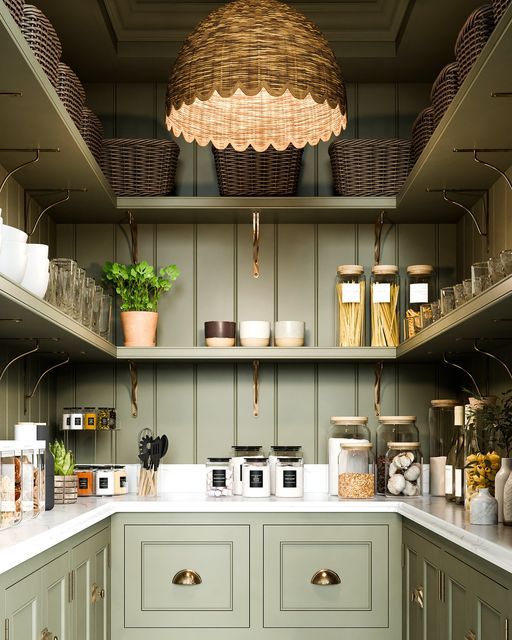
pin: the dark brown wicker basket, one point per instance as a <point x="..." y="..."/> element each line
<point x="444" y="90"/>
<point x="472" y="38"/>
<point x="498" y="8"/>
<point x="43" y="40"/>
<point x="421" y="132"/>
<point x="16" y="10"/>
<point x="373" y="167"/>
<point x="71" y="92"/>
<point x="91" y="130"/>
<point x="251" y="173"/>
<point x="142" y="168"/>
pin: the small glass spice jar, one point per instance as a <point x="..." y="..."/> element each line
<point x="256" y="478"/>
<point x="290" y="478"/>
<point x="404" y="469"/>
<point x="419" y="291"/>
<point x="66" y="418"/>
<point x="241" y="452"/>
<point x="86" y="484"/>
<point x="103" y="419"/>
<point x="90" y="418"/>
<point x="350" y="305"/>
<point x="104" y="476"/>
<point x="356" y="467"/>
<point x="120" y="480"/>
<point x="219" y="477"/>
<point x="385" y="295"/>
<point x="76" y="419"/>
<point x="281" y="451"/>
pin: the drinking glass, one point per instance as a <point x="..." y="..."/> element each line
<point x="426" y="315"/>
<point x="458" y="293"/>
<point x="447" y="300"/>
<point x="468" y="289"/>
<point x="63" y="277"/>
<point x="96" y="305"/>
<point x="436" y="310"/>
<point x="496" y="269"/>
<point x="78" y="293"/>
<point x="87" y="302"/>
<point x="105" y="322"/>
<point x="506" y="261"/>
<point x="479" y="277"/>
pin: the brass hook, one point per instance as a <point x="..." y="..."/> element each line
<point x="132" y="365"/>
<point x="379" y="368"/>
<point x="255" y="388"/>
<point x="457" y="366"/>
<point x="255" y="244"/>
<point x="134" y="232"/>
<point x="379" y="224"/>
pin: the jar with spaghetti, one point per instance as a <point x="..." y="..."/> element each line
<point x="356" y="471"/>
<point x="385" y="293"/>
<point x="419" y="291"/>
<point x="350" y="305"/>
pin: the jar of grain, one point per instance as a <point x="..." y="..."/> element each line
<point x="385" y="293"/>
<point x="344" y="429"/>
<point x="356" y="477"/>
<point x="350" y="305"/>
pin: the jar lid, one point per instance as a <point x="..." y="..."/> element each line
<point x="349" y="420"/>
<point x="250" y="447"/>
<point x="444" y="403"/>
<point x="282" y="447"/>
<point x="350" y="269"/>
<point x="356" y="445"/>
<point x="397" y="419"/>
<point x="219" y="459"/>
<point x="404" y="445"/>
<point x="289" y="459"/>
<point x="256" y="459"/>
<point x="420" y="269"/>
<point x="385" y="269"/>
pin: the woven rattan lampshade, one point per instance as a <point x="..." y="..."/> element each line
<point x="259" y="73"/>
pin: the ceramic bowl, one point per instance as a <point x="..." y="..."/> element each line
<point x="289" y="333"/>
<point x="255" y="333"/>
<point x="37" y="275"/>
<point x="13" y="260"/>
<point x="12" y="234"/>
<point x="220" y="333"/>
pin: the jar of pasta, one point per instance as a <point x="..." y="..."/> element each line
<point x="350" y="305"/>
<point x="385" y="293"/>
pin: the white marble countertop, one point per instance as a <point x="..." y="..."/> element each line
<point x="28" y="539"/>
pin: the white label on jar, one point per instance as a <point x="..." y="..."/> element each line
<point x="448" y="479"/>
<point x="103" y="483"/>
<point x="418" y="292"/>
<point x="219" y="478"/>
<point x="458" y="483"/>
<point x="350" y="292"/>
<point x="290" y="479"/>
<point x="256" y="479"/>
<point x="381" y="292"/>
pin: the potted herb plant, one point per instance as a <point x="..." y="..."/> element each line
<point x="139" y="288"/>
<point x="66" y="483"/>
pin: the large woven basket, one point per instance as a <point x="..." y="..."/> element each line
<point x="421" y="132"/>
<point x="91" y="131"/>
<point x="140" y="167"/>
<point x="16" y="10"/>
<point x="444" y="90"/>
<point x="251" y="173"/>
<point x="43" y="40"/>
<point x="370" y="167"/>
<point x="71" y="92"/>
<point x="472" y="38"/>
<point x="498" y="8"/>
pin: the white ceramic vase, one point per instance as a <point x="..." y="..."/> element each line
<point x="484" y="508"/>
<point x="500" y="482"/>
<point x="507" y="501"/>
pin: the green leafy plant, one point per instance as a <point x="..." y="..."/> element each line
<point x="495" y="421"/>
<point x="64" y="459"/>
<point x="138" y="286"/>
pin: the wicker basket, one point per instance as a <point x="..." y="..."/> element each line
<point x="498" y="8"/>
<point x="91" y="130"/>
<point x="66" y="489"/>
<point x="71" y="92"/>
<point x="421" y="132"/>
<point x="16" y="10"/>
<point x="43" y="40"/>
<point x="444" y="90"/>
<point x="142" y="168"/>
<point x="370" y="167"/>
<point x="472" y="38"/>
<point x="251" y="173"/>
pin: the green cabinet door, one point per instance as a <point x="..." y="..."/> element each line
<point x="23" y="608"/>
<point x="411" y="611"/>
<point x="55" y="605"/>
<point x="101" y="587"/>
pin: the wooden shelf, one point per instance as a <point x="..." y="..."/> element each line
<point x="23" y="317"/>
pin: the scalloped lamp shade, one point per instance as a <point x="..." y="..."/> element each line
<point x="258" y="73"/>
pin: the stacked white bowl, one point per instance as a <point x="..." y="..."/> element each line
<point x="37" y="272"/>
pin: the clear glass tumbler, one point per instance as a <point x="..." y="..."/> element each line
<point x="96" y="306"/>
<point x="426" y="315"/>
<point x="506" y="261"/>
<point x="447" y="300"/>
<point x="79" y="293"/>
<point x="87" y="303"/>
<point x="436" y="310"/>
<point x="63" y="279"/>
<point x="479" y="277"/>
<point x="468" y="289"/>
<point x="458" y="294"/>
<point x="105" y="322"/>
<point x="496" y="269"/>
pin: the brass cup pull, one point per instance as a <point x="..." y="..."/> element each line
<point x="187" y="578"/>
<point x="47" y="635"/>
<point x="417" y="596"/>
<point x="97" y="593"/>
<point x="470" y="635"/>
<point x="325" y="577"/>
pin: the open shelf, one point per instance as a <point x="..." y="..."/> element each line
<point x="24" y="317"/>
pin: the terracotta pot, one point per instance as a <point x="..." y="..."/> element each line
<point x="139" y="328"/>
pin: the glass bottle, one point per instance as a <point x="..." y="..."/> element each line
<point x="458" y="471"/>
<point x="453" y="456"/>
<point x="356" y="470"/>
<point x="471" y="451"/>
<point x="344" y="429"/>
<point x="441" y="430"/>
<point x="385" y="294"/>
<point x="350" y="305"/>
<point x="392" y="429"/>
<point x="419" y="291"/>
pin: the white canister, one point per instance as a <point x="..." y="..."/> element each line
<point x="120" y="480"/>
<point x="289" y="333"/>
<point x="219" y="477"/>
<point x="66" y="418"/>
<point x="290" y="478"/>
<point x="237" y="462"/>
<point x="105" y="481"/>
<point x="76" y="419"/>
<point x="255" y="333"/>
<point x="256" y="478"/>
<point x="281" y="451"/>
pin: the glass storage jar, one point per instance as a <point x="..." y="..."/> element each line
<point x="290" y="478"/>
<point x="86" y="480"/>
<point x="66" y="418"/>
<point x="219" y="477"/>
<point x="350" y="305"/>
<point x="281" y="451"/>
<point x="404" y="468"/>
<point x="385" y="294"/>
<point x="344" y="429"/>
<point x="241" y="452"/>
<point x="392" y="429"/>
<point x="256" y="478"/>
<point x="39" y="477"/>
<point x="419" y="291"/>
<point x="10" y="485"/>
<point x="441" y="418"/>
<point x="356" y="470"/>
<point x="27" y="481"/>
<point x="90" y="418"/>
<point x="120" y="480"/>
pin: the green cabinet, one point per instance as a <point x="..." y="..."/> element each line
<point x="55" y="596"/>
<point x="23" y="609"/>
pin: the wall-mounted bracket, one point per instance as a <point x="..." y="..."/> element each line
<point x="33" y="160"/>
<point x="29" y="396"/>
<point x="19" y="357"/>
<point x="134" y="381"/>
<point x="255" y="244"/>
<point x="379" y="369"/>
<point x="457" y="366"/>
<point x="11" y="94"/>
<point x="67" y="193"/>
<point x="134" y="233"/>
<point x="379" y="224"/>
<point x="475" y="153"/>
<point x="501" y="94"/>
<point x="255" y="388"/>
<point x="493" y="356"/>
<point x="483" y="192"/>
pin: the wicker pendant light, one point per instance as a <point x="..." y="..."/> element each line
<point x="259" y="73"/>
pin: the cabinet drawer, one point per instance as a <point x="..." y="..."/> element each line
<point x="358" y="555"/>
<point x="155" y="554"/>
